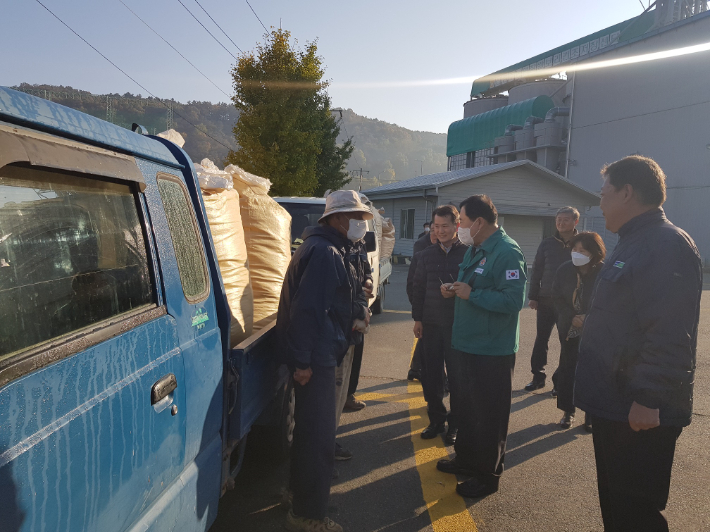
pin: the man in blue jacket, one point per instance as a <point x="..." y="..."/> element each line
<point x="320" y="300"/>
<point x="636" y="361"/>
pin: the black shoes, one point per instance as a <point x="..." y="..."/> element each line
<point x="567" y="420"/>
<point x="341" y="453"/>
<point x="553" y="393"/>
<point x="534" y="385"/>
<point x="451" y="467"/>
<point x="450" y="437"/>
<point x="432" y="431"/>
<point x="414" y="375"/>
<point x="474" y="488"/>
<point x="588" y="423"/>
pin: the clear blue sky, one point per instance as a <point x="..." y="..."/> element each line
<point x="363" y="41"/>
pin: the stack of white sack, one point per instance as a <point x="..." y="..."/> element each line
<point x="267" y="233"/>
<point x="387" y="238"/>
<point x="223" y="214"/>
<point x="173" y="136"/>
<point x="377" y="221"/>
<point x="211" y="177"/>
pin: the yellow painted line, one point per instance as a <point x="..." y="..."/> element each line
<point x="447" y="509"/>
<point x="398" y="311"/>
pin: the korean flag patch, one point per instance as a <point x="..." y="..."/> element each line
<point x="511" y="275"/>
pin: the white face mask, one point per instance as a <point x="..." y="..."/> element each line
<point x="426" y="229"/>
<point x="357" y="229"/>
<point x="465" y="236"/>
<point x="580" y="259"/>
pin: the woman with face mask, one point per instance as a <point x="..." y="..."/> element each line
<point x="572" y="289"/>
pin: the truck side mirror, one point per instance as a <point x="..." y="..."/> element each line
<point x="370" y="241"/>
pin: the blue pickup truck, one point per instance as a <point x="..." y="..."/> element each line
<point x="122" y="405"/>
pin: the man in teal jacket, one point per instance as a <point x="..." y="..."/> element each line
<point x="490" y="292"/>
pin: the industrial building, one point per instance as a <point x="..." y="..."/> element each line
<point x="564" y="120"/>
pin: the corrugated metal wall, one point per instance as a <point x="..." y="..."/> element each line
<point x="514" y="189"/>
<point x="526" y="231"/>
<point x="658" y="109"/>
<point x="393" y="209"/>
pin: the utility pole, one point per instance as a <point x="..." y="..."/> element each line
<point x="109" y="110"/>
<point x="355" y="172"/>
<point x="421" y="166"/>
<point x="170" y="115"/>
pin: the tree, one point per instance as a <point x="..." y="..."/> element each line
<point x="286" y="131"/>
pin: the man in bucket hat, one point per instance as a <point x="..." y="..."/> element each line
<point x="320" y="300"/>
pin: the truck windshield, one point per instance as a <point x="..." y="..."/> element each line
<point x="303" y="215"/>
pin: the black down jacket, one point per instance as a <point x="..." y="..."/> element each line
<point x="563" y="288"/>
<point x="320" y="299"/>
<point x="551" y="254"/>
<point x="419" y="246"/>
<point x="435" y="266"/>
<point x="641" y="330"/>
<point x="357" y="255"/>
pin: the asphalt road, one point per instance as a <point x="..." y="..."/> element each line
<point x="391" y="483"/>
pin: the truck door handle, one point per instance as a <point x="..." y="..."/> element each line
<point x="162" y="388"/>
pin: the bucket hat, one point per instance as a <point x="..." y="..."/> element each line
<point x="345" y="201"/>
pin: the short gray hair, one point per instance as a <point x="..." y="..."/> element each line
<point x="568" y="210"/>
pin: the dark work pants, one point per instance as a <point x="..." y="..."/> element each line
<point x="633" y="474"/>
<point x="416" y="362"/>
<point x="313" y="449"/>
<point x="355" y="371"/>
<point x="436" y="349"/>
<point x="546" y="320"/>
<point x="563" y="378"/>
<point x="482" y="395"/>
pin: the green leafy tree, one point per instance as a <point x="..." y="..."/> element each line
<point x="286" y="131"/>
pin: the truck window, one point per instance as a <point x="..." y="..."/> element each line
<point x="186" y="241"/>
<point x="303" y="215"/>
<point x="72" y="254"/>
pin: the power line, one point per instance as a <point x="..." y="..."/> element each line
<point x="257" y="16"/>
<point x="175" y="49"/>
<point x="208" y="31"/>
<point x="126" y="74"/>
<point x="220" y="27"/>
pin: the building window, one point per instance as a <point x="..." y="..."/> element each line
<point x="457" y="162"/>
<point x="481" y="158"/>
<point x="406" y="224"/>
<point x="72" y="255"/>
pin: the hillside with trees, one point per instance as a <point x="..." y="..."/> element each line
<point x="389" y="152"/>
<point x="192" y="119"/>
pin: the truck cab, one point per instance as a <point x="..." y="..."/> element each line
<point x="122" y="406"/>
<point x="305" y="212"/>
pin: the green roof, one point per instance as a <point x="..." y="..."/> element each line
<point x="478" y="132"/>
<point x="569" y="53"/>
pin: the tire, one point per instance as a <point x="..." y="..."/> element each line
<point x="379" y="305"/>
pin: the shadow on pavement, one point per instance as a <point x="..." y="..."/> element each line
<point x="380" y="387"/>
<point x="532" y="399"/>
<point x="525" y="451"/>
<point x="400" y="417"/>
